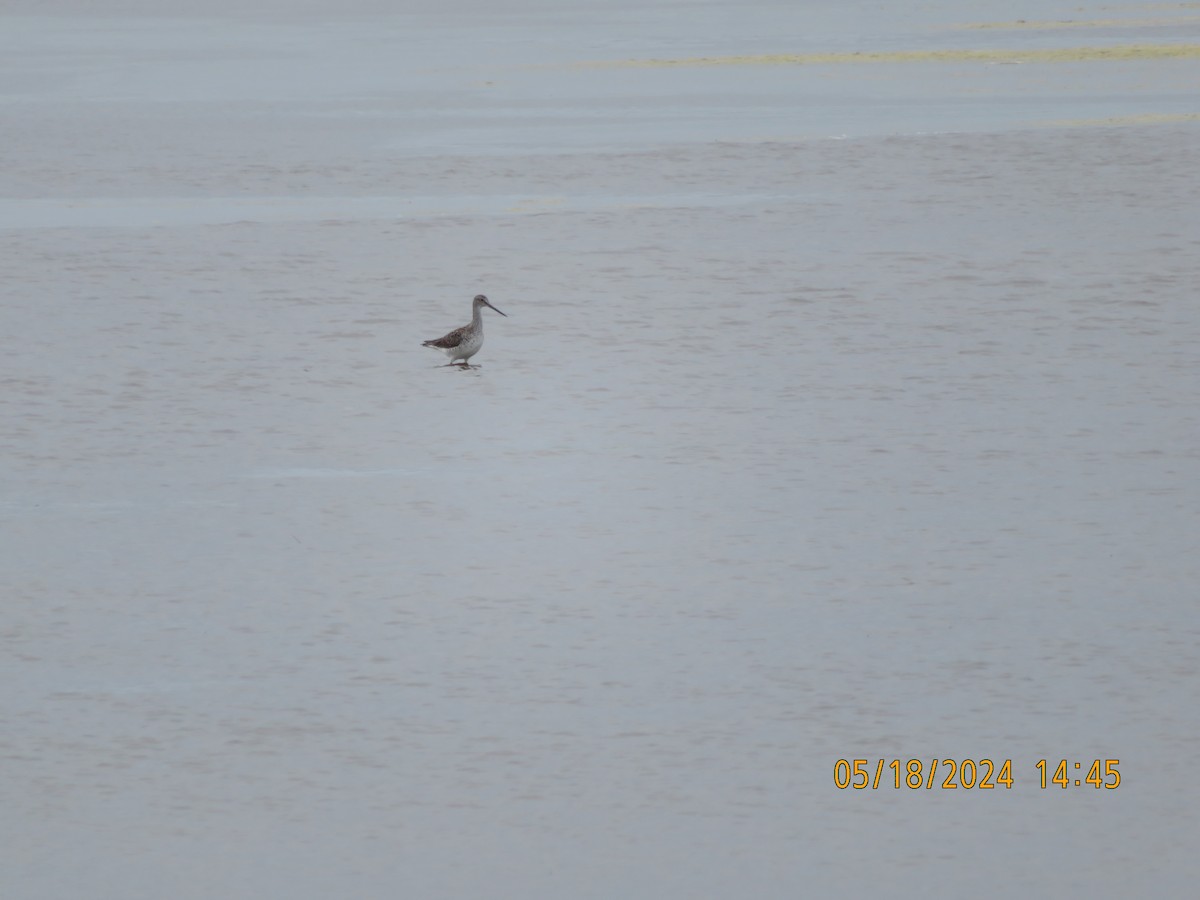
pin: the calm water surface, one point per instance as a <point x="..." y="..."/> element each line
<point x="792" y="448"/>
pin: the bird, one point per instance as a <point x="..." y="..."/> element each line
<point x="463" y="343"/>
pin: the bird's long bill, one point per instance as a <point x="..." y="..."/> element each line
<point x="489" y="303"/>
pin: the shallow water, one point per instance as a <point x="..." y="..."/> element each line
<point x="791" y="449"/>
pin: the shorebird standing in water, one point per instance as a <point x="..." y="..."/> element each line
<point x="463" y="343"/>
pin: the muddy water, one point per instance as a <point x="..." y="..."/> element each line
<point x="789" y="450"/>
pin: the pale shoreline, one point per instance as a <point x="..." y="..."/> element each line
<point x="1110" y="53"/>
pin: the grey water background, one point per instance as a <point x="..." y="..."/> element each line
<point x="840" y="412"/>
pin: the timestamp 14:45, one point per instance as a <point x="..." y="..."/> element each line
<point x="981" y="774"/>
<point x="1065" y="776"/>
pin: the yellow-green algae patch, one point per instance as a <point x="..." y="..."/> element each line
<point x="1050" y="55"/>
<point x="1037" y="25"/>
<point x="1143" y="119"/>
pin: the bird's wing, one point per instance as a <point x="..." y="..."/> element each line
<point x="453" y="339"/>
